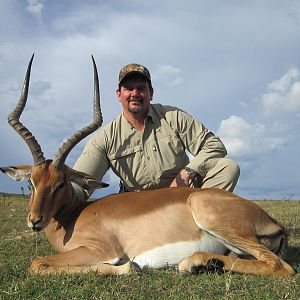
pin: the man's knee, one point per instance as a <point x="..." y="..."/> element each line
<point x="231" y="174"/>
<point x="224" y="175"/>
<point x="231" y="170"/>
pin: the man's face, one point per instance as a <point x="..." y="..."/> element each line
<point x="135" y="95"/>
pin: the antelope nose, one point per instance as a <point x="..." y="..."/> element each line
<point x="34" y="220"/>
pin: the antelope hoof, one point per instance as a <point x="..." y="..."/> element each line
<point x="215" y="265"/>
<point x="135" y="268"/>
<point x="187" y="267"/>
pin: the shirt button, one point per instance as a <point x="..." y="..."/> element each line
<point x="154" y="148"/>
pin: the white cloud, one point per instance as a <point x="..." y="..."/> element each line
<point x="248" y="141"/>
<point x="35" y="8"/>
<point x="212" y="49"/>
<point x="283" y="95"/>
<point x="167" y="75"/>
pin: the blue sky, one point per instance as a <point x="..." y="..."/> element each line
<point x="234" y="65"/>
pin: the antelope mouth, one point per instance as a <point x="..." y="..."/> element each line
<point x="37" y="226"/>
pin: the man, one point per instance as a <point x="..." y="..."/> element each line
<point x="146" y="144"/>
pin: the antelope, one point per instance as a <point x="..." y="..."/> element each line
<point x="192" y="229"/>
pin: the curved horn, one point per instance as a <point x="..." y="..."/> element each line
<point x="67" y="146"/>
<point x="14" y="116"/>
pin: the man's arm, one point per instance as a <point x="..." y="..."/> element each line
<point x="201" y="143"/>
<point x="92" y="161"/>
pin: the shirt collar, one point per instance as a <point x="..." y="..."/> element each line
<point x="151" y="116"/>
<point x="125" y="123"/>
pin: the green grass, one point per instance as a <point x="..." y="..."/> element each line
<point x="18" y="246"/>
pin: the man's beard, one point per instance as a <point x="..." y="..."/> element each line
<point x="136" y="109"/>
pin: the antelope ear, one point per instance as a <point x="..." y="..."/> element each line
<point x="91" y="183"/>
<point x="86" y="181"/>
<point x="18" y="172"/>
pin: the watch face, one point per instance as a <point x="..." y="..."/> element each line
<point x="188" y="170"/>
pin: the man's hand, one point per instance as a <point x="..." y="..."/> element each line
<point x="182" y="179"/>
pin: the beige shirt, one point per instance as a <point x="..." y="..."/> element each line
<point x="151" y="159"/>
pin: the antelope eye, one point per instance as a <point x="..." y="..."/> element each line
<point x="60" y="186"/>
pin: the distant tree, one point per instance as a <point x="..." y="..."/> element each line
<point x="29" y="186"/>
<point x="23" y="193"/>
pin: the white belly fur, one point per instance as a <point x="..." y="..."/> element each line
<point x="172" y="254"/>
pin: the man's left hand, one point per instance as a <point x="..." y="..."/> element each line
<point x="182" y="179"/>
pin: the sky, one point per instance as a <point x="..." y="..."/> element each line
<point x="234" y="65"/>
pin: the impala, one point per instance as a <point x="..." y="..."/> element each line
<point x="122" y="233"/>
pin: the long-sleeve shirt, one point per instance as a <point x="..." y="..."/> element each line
<point x="153" y="158"/>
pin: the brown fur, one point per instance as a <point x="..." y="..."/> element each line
<point x="118" y="228"/>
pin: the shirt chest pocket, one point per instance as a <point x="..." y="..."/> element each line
<point x="126" y="160"/>
<point x="171" y="145"/>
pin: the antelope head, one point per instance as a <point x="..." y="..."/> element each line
<point x="50" y="180"/>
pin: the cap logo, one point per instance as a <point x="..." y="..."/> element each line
<point x="132" y="68"/>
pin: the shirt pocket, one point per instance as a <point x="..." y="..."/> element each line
<point x="172" y="145"/>
<point x="173" y="156"/>
<point x="126" y="162"/>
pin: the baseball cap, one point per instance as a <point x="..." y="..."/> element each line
<point x="134" y="68"/>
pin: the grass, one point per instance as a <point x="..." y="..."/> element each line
<point x="18" y="246"/>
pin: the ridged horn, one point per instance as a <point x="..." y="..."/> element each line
<point x="67" y="146"/>
<point x="14" y="116"/>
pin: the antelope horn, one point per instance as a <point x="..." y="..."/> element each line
<point x="67" y="146"/>
<point x="14" y="116"/>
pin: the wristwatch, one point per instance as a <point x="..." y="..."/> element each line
<point x="189" y="171"/>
